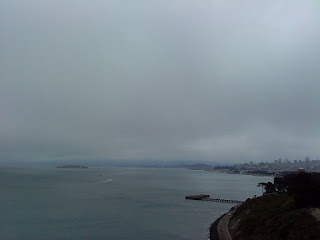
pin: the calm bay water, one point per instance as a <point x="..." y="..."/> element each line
<point x="115" y="203"/>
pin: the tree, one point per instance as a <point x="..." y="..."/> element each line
<point x="269" y="187"/>
<point x="280" y="185"/>
<point x="303" y="186"/>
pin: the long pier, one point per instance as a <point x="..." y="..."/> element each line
<point x="203" y="197"/>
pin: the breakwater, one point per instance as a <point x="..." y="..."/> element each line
<point x="203" y="197"/>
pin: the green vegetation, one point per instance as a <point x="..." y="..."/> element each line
<point x="283" y="212"/>
<point x="302" y="186"/>
<point x="273" y="217"/>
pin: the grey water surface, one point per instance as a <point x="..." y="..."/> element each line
<point x="115" y="203"/>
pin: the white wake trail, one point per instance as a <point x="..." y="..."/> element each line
<point x="108" y="180"/>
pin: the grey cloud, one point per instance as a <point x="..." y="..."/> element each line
<point x="216" y="81"/>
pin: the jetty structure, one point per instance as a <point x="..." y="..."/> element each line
<point x="205" y="197"/>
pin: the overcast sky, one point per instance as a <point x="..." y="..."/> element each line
<point x="168" y="80"/>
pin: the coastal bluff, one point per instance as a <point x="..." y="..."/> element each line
<point x="288" y="210"/>
<point x="273" y="216"/>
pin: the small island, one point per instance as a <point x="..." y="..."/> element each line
<point x="72" y="166"/>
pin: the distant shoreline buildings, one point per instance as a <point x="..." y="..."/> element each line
<point x="278" y="167"/>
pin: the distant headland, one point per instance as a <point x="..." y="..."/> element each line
<point x="72" y="166"/>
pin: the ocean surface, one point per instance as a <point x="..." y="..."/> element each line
<point x="115" y="203"/>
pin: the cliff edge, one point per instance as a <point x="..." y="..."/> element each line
<point x="273" y="216"/>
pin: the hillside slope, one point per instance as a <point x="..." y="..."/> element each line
<point x="273" y="217"/>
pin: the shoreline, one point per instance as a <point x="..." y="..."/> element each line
<point x="246" y="173"/>
<point x="213" y="231"/>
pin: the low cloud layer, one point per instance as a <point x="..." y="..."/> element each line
<point x="168" y="80"/>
